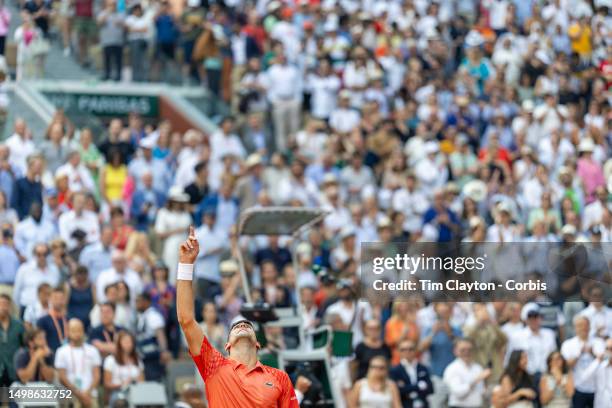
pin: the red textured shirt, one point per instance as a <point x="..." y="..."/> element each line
<point x="230" y="384"/>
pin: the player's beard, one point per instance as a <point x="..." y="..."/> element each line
<point x="244" y="334"/>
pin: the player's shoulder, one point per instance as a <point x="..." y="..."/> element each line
<point x="280" y="375"/>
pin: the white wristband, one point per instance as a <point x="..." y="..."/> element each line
<point x="184" y="272"/>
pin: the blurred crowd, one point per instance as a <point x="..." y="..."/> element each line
<point x="442" y="121"/>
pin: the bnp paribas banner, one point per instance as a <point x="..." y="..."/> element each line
<point x="105" y="104"/>
<point x="487" y="271"/>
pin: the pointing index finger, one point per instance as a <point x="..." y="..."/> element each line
<point x="191" y="232"/>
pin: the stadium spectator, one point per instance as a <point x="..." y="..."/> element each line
<point x="78" y="365"/>
<point x="79" y="218"/>
<point x="32" y="230"/>
<point x="465" y="378"/>
<point x="579" y="352"/>
<point x="213" y="328"/>
<point x="119" y="272"/>
<point x="122" y="368"/>
<point x="372" y="345"/>
<point x="517" y="386"/>
<point x="401" y="325"/>
<point x="11" y="332"/>
<point x="10" y="256"/>
<point x="111" y="25"/>
<point x="97" y="256"/>
<point x="557" y="385"/>
<point x="171" y="225"/>
<point x="104" y="336"/>
<point x="213" y="242"/>
<point x="412" y="378"/>
<point x="34" y="311"/>
<point x="376" y="389"/>
<point x="31" y="274"/>
<point x="538" y="342"/>
<point x="81" y="295"/>
<point x="54" y="323"/>
<point x="152" y="342"/>
<point x="600" y="370"/>
<point x="34" y="362"/>
<point x="28" y="189"/>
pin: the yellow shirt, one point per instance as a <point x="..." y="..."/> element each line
<point x="114" y="180"/>
<point x="581" y="38"/>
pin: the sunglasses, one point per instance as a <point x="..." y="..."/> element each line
<point x="379" y="367"/>
<point x="41" y="254"/>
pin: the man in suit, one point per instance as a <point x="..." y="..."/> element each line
<point x="411" y="377"/>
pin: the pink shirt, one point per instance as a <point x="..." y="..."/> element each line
<point x="592" y="176"/>
<point x="5" y="21"/>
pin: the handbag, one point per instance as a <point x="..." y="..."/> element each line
<point x="39" y="46"/>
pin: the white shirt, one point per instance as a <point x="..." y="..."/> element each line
<point x="79" y="363"/>
<point x="29" y="277"/>
<point x="28" y="233"/>
<point x="149" y="322"/>
<point x="137" y="23"/>
<point x="411" y="370"/>
<point x="498" y="10"/>
<point x="592" y="214"/>
<point x="537" y="346"/>
<point x="284" y="83"/>
<point x="221" y="145"/>
<point x="601" y="320"/>
<point x="571" y="349"/>
<point x="353" y="316"/>
<point x="110" y="276"/>
<point x="324" y="94"/>
<point x="458" y="376"/>
<point x="79" y="178"/>
<point x="122" y="373"/>
<point x="344" y="120"/>
<point x="602" y="373"/>
<point x="87" y="221"/>
<point x="431" y="174"/>
<point x="124" y="316"/>
<point x="413" y="204"/>
<point x="33" y="312"/>
<point x="212" y="243"/>
<point x="19" y="149"/>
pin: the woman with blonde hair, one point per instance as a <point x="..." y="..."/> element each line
<point x="138" y="248"/>
<point x="376" y="390"/>
<point x="171" y="225"/>
<point x="402" y="325"/>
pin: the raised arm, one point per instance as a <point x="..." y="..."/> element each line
<point x="188" y="252"/>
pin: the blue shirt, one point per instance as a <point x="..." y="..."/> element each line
<point x="7" y="180"/>
<point x="51" y="331"/>
<point x="166" y="29"/>
<point x="9" y="264"/>
<point x="96" y="258"/>
<point x="441" y="349"/>
<point x="445" y="234"/>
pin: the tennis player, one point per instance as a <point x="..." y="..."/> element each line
<point x="239" y="380"/>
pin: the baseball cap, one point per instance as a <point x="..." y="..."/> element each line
<point x="241" y="320"/>
<point x="533" y="313"/>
